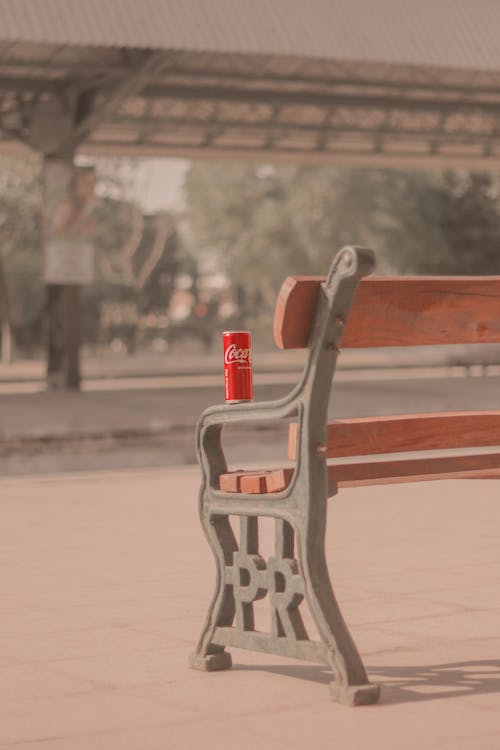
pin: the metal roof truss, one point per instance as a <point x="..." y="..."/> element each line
<point x="139" y="102"/>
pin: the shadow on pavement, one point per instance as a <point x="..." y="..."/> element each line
<point x="411" y="683"/>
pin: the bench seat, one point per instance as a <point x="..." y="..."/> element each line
<point x="366" y="473"/>
<point x="365" y="436"/>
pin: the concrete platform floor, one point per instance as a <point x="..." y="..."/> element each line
<point x="104" y="587"/>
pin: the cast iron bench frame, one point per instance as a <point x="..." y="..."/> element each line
<point x="297" y="570"/>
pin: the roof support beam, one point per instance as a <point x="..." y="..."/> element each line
<point x="152" y="64"/>
<point x="62" y="70"/>
<point x="149" y="127"/>
<point x="320" y="98"/>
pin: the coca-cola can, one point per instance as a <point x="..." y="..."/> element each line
<point x="238" y="385"/>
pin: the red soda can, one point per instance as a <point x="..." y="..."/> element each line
<point x="238" y="384"/>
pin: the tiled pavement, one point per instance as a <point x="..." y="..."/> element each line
<point x="104" y="586"/>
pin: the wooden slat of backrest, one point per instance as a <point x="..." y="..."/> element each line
<point x="407" y="432"/>
<point x="398" y="311"/>
<point x="295" y="308"/>
<point x="475" y="466"/>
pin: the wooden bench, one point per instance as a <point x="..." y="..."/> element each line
<point x="344" y="309"/>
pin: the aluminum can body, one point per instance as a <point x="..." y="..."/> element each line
<point x="238" y="384"/>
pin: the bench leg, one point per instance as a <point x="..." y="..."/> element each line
<point x="286" y="578"/>
<point x="209" y="657"/>
<point x="211" y="662"/>
<point x="351" y="685"/>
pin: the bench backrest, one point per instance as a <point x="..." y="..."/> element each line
<point x="353" y="310"/>
<point x="401" y="311"/>
<point x="397" y="311"/>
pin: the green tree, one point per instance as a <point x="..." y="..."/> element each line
<point x="469" y="220"/>
<point x="429" y="223"/>
<point x="138" y="257"/>
<point x="21" y="293"/>
<point x="266" y="222"/>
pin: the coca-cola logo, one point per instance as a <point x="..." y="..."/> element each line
<point x="233" y="354"/>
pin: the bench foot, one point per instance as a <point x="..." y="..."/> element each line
<point x="355" y="695"/>
<point x="211" y="662"/>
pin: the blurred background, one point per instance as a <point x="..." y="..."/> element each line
<point x="187" y="249"/>
<point x="160" y="177"/>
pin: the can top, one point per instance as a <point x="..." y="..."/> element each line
<point x="225" y="333"/>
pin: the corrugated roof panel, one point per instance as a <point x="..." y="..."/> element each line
<point x="451" y="33"/>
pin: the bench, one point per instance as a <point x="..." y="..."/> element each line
<point x="344" y="309"/>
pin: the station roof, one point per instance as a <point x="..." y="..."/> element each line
<point x="450" y="33"/>
<point x="362" y="81"/>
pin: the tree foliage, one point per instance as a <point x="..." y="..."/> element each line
<point x="267" y="222"/>
<point x="262" y="222"/>
<point x="138" y="256"/>
<point x="21" y="293"/>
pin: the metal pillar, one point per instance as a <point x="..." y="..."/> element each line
<point x="63" y="337"/>
<point x="62" y="306"/>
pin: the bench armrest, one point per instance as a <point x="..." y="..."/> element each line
<point x="222" y="414"/>
<point x="210" y="424"/>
